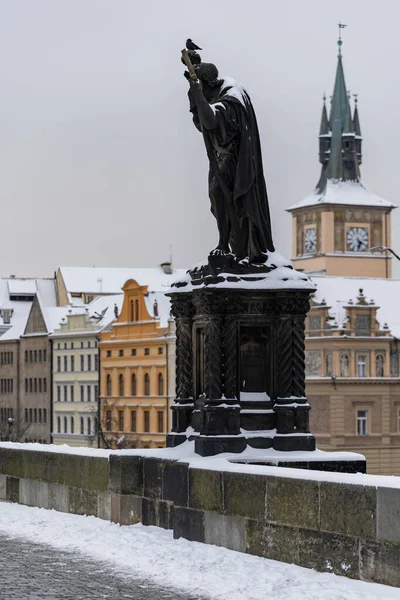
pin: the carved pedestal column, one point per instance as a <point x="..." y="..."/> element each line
<point x="220" y="431"/>
<point x="291" y="407"/>
<point x="182" y="310"/>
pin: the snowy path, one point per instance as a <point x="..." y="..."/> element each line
<point x="151" y="553"/>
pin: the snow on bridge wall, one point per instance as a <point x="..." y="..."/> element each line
<point x="345" y="524"/>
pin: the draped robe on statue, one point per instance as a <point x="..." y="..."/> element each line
<point x="237" y="187"/>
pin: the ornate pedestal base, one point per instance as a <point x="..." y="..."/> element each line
<point x="240" y="355"/>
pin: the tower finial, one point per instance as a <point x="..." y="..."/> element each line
<point x="339" y="43"/>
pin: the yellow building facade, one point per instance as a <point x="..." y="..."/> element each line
<point x="134" y="358"/>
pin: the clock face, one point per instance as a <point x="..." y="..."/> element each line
<point x="311" y="240"/>
<point x="357" y="239"/>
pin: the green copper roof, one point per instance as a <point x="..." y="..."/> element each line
<point x="324" y="127"/>
<point x="340" y="108"/>
<point x="356" y="121"/>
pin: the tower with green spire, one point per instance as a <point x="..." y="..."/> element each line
<point x="335" y="227"/>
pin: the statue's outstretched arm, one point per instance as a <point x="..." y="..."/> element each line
<point x="206" y="114"/>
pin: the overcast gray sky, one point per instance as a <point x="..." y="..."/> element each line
<point x="99" y="161"/>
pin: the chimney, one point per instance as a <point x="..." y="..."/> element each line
<point x="167" y="267"/>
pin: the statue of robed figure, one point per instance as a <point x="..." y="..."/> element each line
<point x="223" y="112"/>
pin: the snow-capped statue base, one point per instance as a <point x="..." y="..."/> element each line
<point x="240" y="356"/>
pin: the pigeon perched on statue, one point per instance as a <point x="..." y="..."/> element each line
<point x="190" y="45"/>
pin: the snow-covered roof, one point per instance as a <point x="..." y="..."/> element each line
<point x="337" y="291"/>
<point x="348" y="193"/>
<point x="107" y="280"/>
<point x="44" y="288"/>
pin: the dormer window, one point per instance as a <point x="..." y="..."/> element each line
<point x="6" y="314"/>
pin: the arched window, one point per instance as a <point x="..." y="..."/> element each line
<point x="121" y="385"/>
<point x="132" y="311"/>
<point x="137" y="310"/>
<point x="134" y="385"/>
<point x="379" y="362"/>
<point x="160" y="384"/>
<point x="89" y="426"/>
<point x="82" y="430"/>
<point x="147" y="384"/>
<point x="65" y="425"/>
<point x="58" y="424"/>
<point x="109" y="385"/>
<point x="72" y="424"/>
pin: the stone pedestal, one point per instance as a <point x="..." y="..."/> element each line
<point x="240" y="364"/>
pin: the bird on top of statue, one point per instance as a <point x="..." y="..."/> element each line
<point x="191" y="45"/>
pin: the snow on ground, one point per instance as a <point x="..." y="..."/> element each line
<point x="152" y="553"/>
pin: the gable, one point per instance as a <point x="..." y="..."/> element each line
<point x="36" y="322"/>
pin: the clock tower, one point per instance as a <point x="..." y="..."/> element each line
<point x="335" y="227"/>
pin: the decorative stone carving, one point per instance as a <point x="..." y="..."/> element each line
<point x="313" y="362"/>
<point x="344" y="365"/>
<point x="379" y="365"/>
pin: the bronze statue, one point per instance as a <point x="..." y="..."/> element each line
<point x="223" y="112"/>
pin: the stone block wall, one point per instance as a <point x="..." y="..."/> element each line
<point x="351" y="528"/>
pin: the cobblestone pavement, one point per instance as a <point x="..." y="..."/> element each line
<point x="38" y="572"/>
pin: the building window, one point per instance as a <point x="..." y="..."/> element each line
<point x="89" y="426"/>
<point x="65" y="393"/>
<point x="133" y="420"/>
<point x="133" y="352"/>
<point x="35" y="415"/>
<point x="89" y="362"/>
<point x="362" y="422"/>
<point x="65" y="363"/>
<point x="72" y="363"/>
<point x="82" y="394"/>
<point x="72" y="393"/>
<point x="121" y="385"/>
<point x="40" y="385"/>
<point x="96" y="393"/>
<point x="58" y="363"/>
<point x="379" y="364"/>
<point x="58" y="424"/>
<point x="35" y="356"/>
<point x="65" y="425"/>
<point x="26" y="415"/>
<point x="108" y="353"/>
<point x="44" y="355"/>
<point x="134" y="385"/>
<point x="120" y="353"/>
<point x="40" y="415"/>
<point x="35" y="385"/>
<point x="146" y="351"/>
<point x="72" y="424"/>
<point x="362" y="365"/>
<point x="147" y="421"/>
<point x="30" y="356"/>
<point x="160" y="416"/>
<point x="109" y="385"/>
<point x="82" y="362"/>
<point x="120" y="420"/>
<point x="40" y="355"/>
<point x="26" y="355"/>
<point x="147" y="385"/>
<point x="160" y="385"/>
<point x="96" y="362"/>
<point x="82" y="430"/>
<point x="59" y="393"/>
<point x="30" y="386"/>
<point x="108" y="420"/>
<point x="45" y="385"/>
<point x="161" y="350"/>
<point x="88" y="391"/>
<point x="45" y="415"/>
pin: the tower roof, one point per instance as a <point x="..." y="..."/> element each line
<point x="324" y="127"/>
<point x="340" y="152"/>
